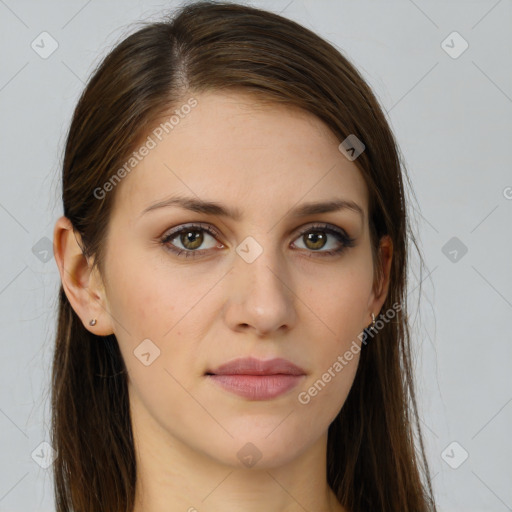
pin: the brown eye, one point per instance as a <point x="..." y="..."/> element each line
<point x="187" y="240"/>
<point x="315" y="238"/>
<point x="191" y="239"/>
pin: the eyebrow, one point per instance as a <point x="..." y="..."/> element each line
<point x="217" y="209"/>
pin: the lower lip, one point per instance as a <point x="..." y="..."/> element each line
<point x="257" y="387"/>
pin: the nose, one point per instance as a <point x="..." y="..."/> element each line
<point x="261" y="295"/>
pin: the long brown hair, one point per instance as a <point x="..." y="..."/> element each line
<point x="373" y="462"/>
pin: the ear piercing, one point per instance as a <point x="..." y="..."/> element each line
<point x="93" y="322"/>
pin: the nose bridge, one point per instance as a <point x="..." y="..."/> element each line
<point x="260" y="262"/>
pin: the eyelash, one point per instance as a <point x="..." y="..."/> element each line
<point x="340" y="235"/>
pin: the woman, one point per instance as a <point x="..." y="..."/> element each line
<point x="232" y="328"/>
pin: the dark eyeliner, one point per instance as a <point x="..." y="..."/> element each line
<point x="345" y="240"/>
<point x="189" y="227"/>
<point x="339" y="234"/>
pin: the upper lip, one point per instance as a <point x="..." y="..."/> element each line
<point x="253" y="366"/>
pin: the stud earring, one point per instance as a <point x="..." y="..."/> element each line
<point x="93" y="322"/>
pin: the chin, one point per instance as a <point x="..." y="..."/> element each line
<point x="256" y="449"/>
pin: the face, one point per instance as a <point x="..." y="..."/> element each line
<point x="203" y="288"/>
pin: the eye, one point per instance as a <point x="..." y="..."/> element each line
<point x="314" y="238"/>
<point x="191" y="237"/>
<point x="317" y="237"/>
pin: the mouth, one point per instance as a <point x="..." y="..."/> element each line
<point x="256" y="379"/>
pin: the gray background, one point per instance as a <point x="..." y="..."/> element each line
<point x="452" y="119"/>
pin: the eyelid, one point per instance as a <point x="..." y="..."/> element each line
<point x="191" y="225"/>
<point x="326" y="226"/>
<point x="340" y="234"/>
<point x="214" y="232"/>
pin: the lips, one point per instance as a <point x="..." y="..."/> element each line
<point x="252" y="366"/>
<point x="255" y="379"/>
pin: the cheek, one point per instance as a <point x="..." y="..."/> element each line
<point x="154" y="304"/>
<point x="342" y="305"/>
<point x="145" y="302"/>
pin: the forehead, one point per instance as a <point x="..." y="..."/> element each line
<point x="256" y="157"/>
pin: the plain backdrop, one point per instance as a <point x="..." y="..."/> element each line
<point x="441" y="71"/>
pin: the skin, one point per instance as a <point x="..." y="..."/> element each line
<point x="200" y="312"/>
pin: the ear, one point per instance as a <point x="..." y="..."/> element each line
<point x="84" y="288"/>
<point x="381" y="287"/>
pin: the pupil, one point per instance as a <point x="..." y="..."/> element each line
<point x="192" y="239"/>
<point x="317" y="240"/>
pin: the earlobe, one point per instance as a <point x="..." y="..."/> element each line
<point x="83" y="286"/>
